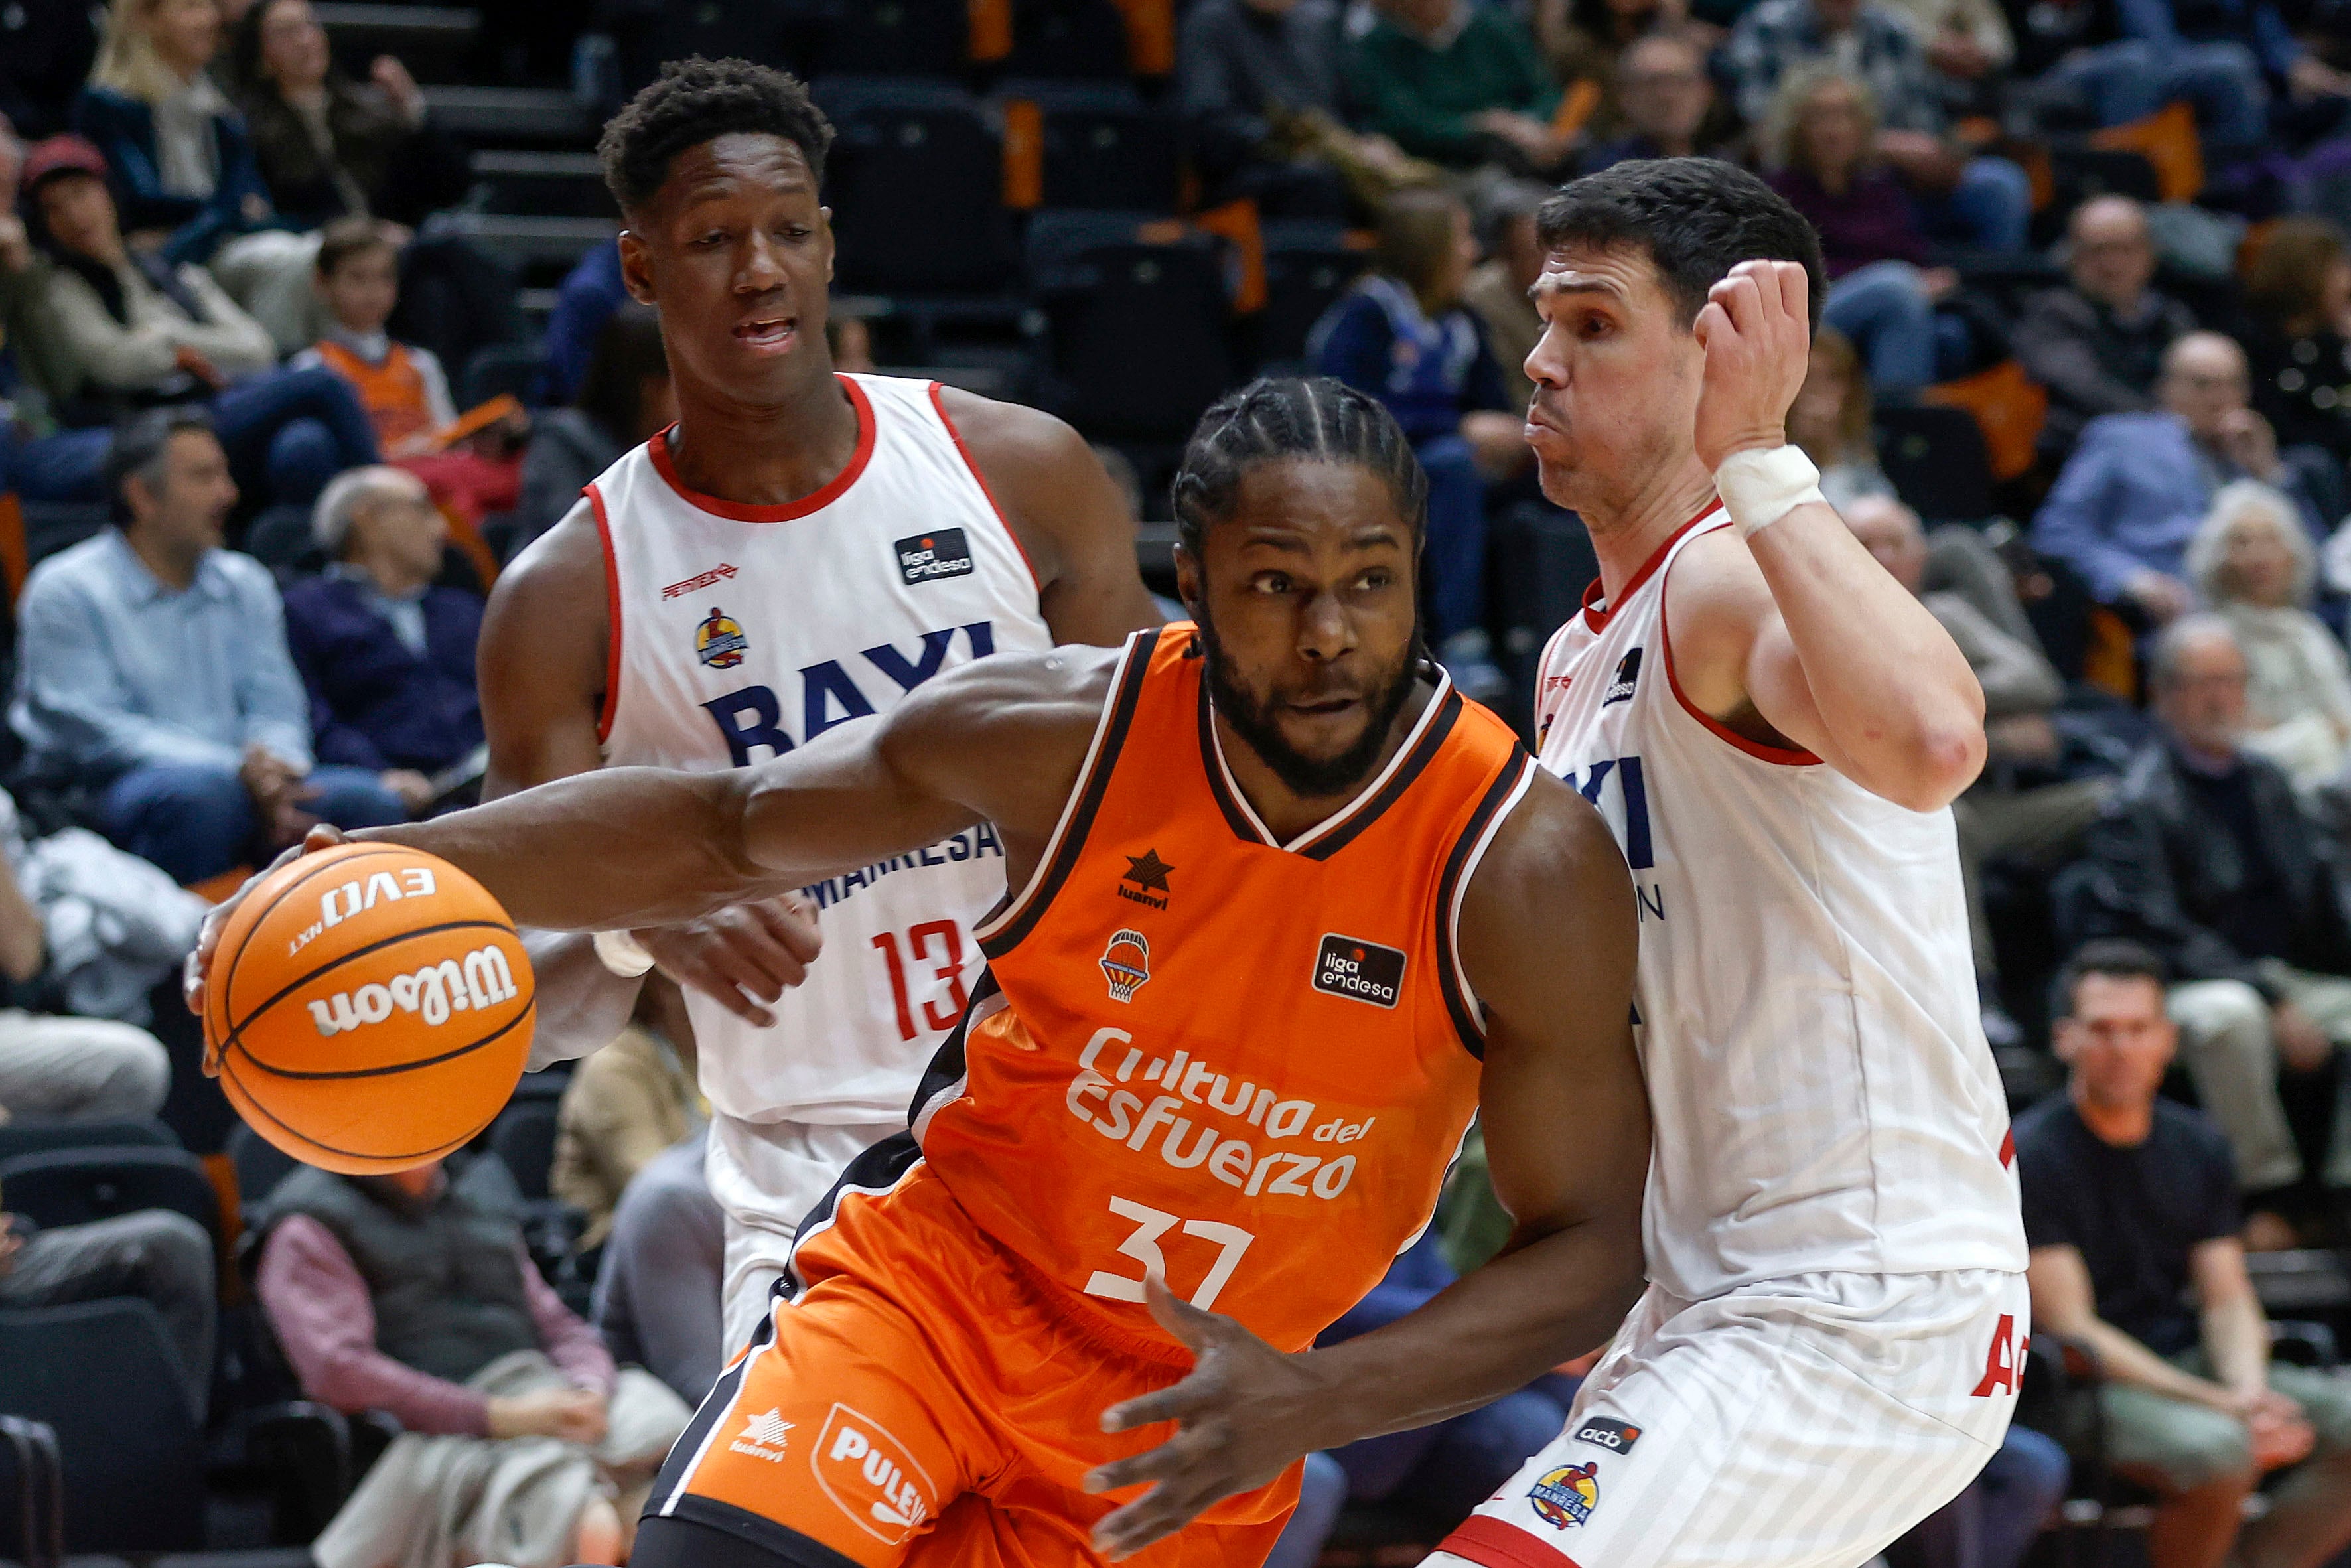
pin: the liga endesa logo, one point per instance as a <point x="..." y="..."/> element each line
<point x="871" y="1476"/>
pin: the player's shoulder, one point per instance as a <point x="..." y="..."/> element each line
<point x="556" y="585"/>
<point x="1027" y="716"/>
<point x="1008" y="430"/>
<point x="1550" y="848"/>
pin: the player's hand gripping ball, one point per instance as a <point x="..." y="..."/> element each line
<point x="368" y="1008"/>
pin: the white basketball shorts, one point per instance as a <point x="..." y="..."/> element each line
<point x="1801" y="1423"/>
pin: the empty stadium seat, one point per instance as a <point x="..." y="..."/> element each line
<point x="524" y="1137"/>
<point x="1101" y="146"/>
<point x="74" y="1186"/>
<point x="914" y="180"/>
<point x="260" y="1165"/>
<point x="897" y="38"/>
<point x="33" y="1137"/>
<point x="1084" y="39"/>
<point x="1139" y="330"/>
<point x="1938" y="461"/>
<point x="32" y="1493"/>
<point x="1308" y="265"/>
<point x="103" y="1376"/>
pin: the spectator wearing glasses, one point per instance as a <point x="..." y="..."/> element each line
<point x="1663" y="96"/>
<point x="2097" y="344"/>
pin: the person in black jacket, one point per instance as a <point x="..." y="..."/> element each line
<point x="2206" y="856"/>
<point x="2097" y="344"/>
<point x="330" y="147"/>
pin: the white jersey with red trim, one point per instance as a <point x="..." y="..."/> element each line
<point x="1824" y="1097"/>
<point x="740" y="633"/>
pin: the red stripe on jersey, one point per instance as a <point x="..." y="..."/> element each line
<point x="1498" y="1543"/>
<point x="2008" y="1148"/>
<point x="611" y="613"/>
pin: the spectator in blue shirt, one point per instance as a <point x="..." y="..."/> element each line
<point x="1404" y="335"/>
<point x="2133" y="494"/>
<point x="154" y="668"/>
<point x="387" y="656"/>
<point x="590" y="294"/>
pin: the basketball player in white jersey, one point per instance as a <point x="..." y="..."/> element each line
<point x="1828" y="1350"/>
<point x="802" y="548"/>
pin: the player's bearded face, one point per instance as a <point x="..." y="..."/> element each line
<point x="1259" y="707"/>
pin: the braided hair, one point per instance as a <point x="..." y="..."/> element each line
<point x="1292" y="417"/>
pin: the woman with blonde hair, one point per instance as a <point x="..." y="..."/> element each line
<point x="2254" y="564"/>
<point x="1818" y="143"/>
<point x="183" y="166"/>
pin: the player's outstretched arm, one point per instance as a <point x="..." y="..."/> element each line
<point x="1000" y="740"/>
<point x="1831" y="652"/>
<point x="1548" y="937"/>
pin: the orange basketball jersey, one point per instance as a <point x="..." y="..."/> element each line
<point x="392" y="392"/>
<point x="1244" y="1063"/>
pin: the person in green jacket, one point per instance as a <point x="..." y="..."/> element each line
<point x="1459" y="84"/>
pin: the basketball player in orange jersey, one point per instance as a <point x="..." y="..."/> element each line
<point x="1288" y="911"/>
<point x="731" y="588"/>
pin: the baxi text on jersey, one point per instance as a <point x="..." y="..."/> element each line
<point x="1194" y="1086"/>
<point x="751" y="718"/>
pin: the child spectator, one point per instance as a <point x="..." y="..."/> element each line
<point x="402" y="385"/>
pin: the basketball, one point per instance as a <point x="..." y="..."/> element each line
<point x="370" y="1009"/>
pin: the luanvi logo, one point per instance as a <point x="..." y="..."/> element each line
<point x="1628" y="675"/>
<point x="1364" y="972"/>
<point x="925" y="557"/>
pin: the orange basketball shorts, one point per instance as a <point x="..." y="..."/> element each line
<point x="924" y="1400"/>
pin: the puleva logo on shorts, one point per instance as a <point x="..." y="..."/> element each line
<point x="718" y="642"/>
<point x="765" y="1436"/>
<point x="926" y="557"/>
<point x="1565" y="1497"/>
<point x="1628" y="675"/>
<point x="1616" y="1436"/>
<point x="1126" y="963"/>
<point x="1363" y="971"/>
<point x="871" y="1476"/>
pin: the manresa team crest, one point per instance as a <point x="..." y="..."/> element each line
<point x="1564" y="1497"/>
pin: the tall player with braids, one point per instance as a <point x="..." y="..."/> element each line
<point x="799" y="548"/>
<point x="1830" y="1344"/>
<point x="1288" y="911"/>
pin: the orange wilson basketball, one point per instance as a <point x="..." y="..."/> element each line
<point x="369" y="1008"/>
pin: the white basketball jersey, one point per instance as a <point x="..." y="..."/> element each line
<point x="740" y="633"/>
<point x="1808" y="1023"/>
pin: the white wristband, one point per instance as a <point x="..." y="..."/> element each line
<point x="1760" y="487"/>
<point x="622" y="954"/>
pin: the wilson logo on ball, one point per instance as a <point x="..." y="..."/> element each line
<point x="435" y="992"/>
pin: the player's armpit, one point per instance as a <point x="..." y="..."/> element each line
<point x="1549" y="939"/>
<point x="542" y="659"/>
<point x="1068" y="515"/>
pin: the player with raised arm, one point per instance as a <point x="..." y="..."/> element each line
<point x="1290" y="910"/>
<point x="1830" y="1345"/>
<point x="800" y="547"/>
